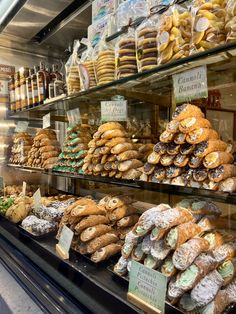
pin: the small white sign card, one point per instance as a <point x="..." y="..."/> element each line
<point x="64" y="244"/>
<point x="22" y="126"/>
<point x="37" y="198"/>
<point x="47" y="121"/>
<point x="114" y="110"/>
<point x="74" y="116"/>
<point x="190" y="84"/>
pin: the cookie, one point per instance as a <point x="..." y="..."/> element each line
<point x="127" y="52"/>
<point x="146" y="31"/>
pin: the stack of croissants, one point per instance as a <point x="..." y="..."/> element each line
<point x="190" y="245"/>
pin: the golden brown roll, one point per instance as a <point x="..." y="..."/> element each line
<point x="192" y="123"/>
<point x="166" y="137"/>
<point x="199" y="135"/>
<point x="106" y="252"/>
<point x="216" y="159"/>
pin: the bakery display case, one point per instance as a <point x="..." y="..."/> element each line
<point x="129" y="147"/>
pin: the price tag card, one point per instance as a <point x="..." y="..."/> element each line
<point x="24" y="188"/>
<point x="74" y="116"/>
<point x="115" y="110"/>
<point x="64" y="243"/>
<point x="22" y="126"/>
<point x="190" y="84"/>
<point x="147" y="288"/>
<point x="37" y="198"/>
<point x="47" y="121"/>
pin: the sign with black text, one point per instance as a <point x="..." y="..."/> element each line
<point x="114" y="110"/>
<point x="190" y="84"/>
<point x="64" y="244"/>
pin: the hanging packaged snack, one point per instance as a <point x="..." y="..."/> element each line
<point x="146" y="43"/>
<point x="230" y="21"/>
<point x="126" y="62"/>
<point x="72" y="71"/>
<point x="208" y="25"/>
<point x="105" y="62"/>
<point x="86" y="67"/>
<point x="174" y="35"/>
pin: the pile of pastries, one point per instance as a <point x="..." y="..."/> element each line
<point x="22" y="143"/>
<point x="99" y="227"/>
<point x="16" y="190"/>
<point x="75" y="148"/>
<point x="190" y="153"/>
<point x="45" y="150"/>
<point x="190" y="245"/>
<point x="112" y="154"/>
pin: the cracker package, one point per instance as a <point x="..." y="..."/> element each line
<point x="126" y="63"/>
<point x="86" y="67"/>
<point x="72" y="71"/>
<point x="208" y="25"/>
<point x="146" y="43"/>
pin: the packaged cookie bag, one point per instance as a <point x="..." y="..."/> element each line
<point x="105" y="62"/>
<point x="72" y="71"/>
<point x="126" y="63"/>
<point x="86" y="67"/>
<point x="146" y="43"/>
<point x="208" y="25"/>
<point x="230" y="21"/>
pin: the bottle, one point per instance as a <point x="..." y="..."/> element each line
<point x="17" y="91"/>
<point x="29" y="89"/>
<point x="12" y="93"/>
<point x="35" y="96"/>
<point x="43" y="78"/>
<point x="24" y="73"/>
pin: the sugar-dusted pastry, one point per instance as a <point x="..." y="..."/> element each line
<point x="147" y="219"/>
<point x="216" y="159"/>
<point x="137" y="253"/>
<point x="228" y="185"/>
<point x="93" y="232"/>
<point x="218" y="305"/>
<point x="91" y="221"/>
<point x="173" y="292"/>
<point x="199" y="135"/>
<point x="225" y="251"/>
<point x="160" y="148"/>
<point x="205" y="291"/>
<point x="101" y="241"/>
<point x="105" y="252"/>
<point x="173" y="171"/>
<point x="168" y="269"/>
<point x="187" y="110"/>
<point x="151" y="262"/>
<point x="128" y="221"/>
<point x="173" y="126"/>
<point x="205" y="207"/>
<point x="180" y="138"/>
<point x="157" y="234"/>
<point x="121" y="212"/>
<point x="195" y="162"/>
<point x="159" y="250"/>
<point x="167" y="160"/>
<point x="186" y="304"/>
<point x="181" y="233"/>
<point x="154" y="158"/>
<point x="206" y="147"/>
<point x="227" y="270"/>
<point x="181" y="160"/>
<point x="131" y="240"/>
<point x="159" y="173"/>
<point x="192" y="123"/>
<point x="173" y="149"/>
<point x="121" y="266"/>
<point x="187" y="149"/>
<point x="146" y="244"/>
<point x="222" y="172"/>
<point x="148" y="168"/>
<point x="187" y="252"/>
<point x="200" y="174"/>
<point x="166" y="137"/>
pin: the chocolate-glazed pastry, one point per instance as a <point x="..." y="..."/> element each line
<point x="172" y="172"/>
<point x="159" y="173"/>
<point x="173" y="149"/>
<point x="187" y="175"/>
<point x="195" y="162"/>
<point x="200" y="174"/>
<point x="148" y="168"/>
<point x="181" y="160"/>
<point x="206" y="147"/>
<point x="167" y="160"/>
<point x="187" y="149"/>
<point x="180" y="138"/>
<point x="222" y="172"/>
<point x="160" y="148"/>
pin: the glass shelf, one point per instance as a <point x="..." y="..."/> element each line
<point x="228" y="198"/>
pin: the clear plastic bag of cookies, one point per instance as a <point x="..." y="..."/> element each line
<point x="230" y="21"/>
<point x="125" y="53"/>
<point x="104" y="60"/>
<point x="86" y="67"/>
<point x="146" y="43"/>
<point x="72" y="71"/>
<point x="208" y="24"/>
<point x="174" y="33"/>
<point x="123" y="15"/>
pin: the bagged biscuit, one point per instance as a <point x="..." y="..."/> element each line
<point x="86" y="67"/>
<point x="230" y="21"/>
<point x="125" y="52"/>
<point x="208" y="24"/>
<point x="146" y="44"/>
<point x="72" y="71"/>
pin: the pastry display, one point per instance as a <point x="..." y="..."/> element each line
<point x="75" y="148"/>
<point x="112" y="154"/>
<point x="38" y="226"/>
<point x="45" y="150"/>
<point x="190" y="153"/>
<point x="22" y="143"/>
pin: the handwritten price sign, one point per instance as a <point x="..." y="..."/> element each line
<point x="115" y="110"/>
